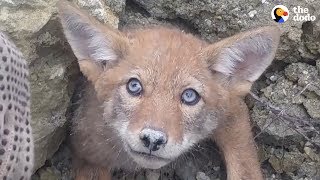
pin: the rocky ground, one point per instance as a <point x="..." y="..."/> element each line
<point x="285" y="105"/>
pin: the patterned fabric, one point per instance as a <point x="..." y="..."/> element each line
<point x="16" y="142"/>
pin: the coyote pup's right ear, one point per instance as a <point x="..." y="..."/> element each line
<point x="242" y="58"/>
<point x="95" y="45"/>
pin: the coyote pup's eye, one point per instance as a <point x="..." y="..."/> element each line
<point x="134" y="87"/>
<point x="190" y="97"/>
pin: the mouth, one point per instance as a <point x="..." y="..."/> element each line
<point x="147" y="160"/>
<point x="285" y="13"/>
<point x="147" y="156"/>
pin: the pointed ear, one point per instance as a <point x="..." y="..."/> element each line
<point x="244" y="57"/>
<point x="98" y="44"/>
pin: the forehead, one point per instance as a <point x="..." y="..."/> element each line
<point x="167" y="45"/>
<point x="166" y="55"/>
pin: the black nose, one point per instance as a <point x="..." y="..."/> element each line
<point x="153" y="139"/>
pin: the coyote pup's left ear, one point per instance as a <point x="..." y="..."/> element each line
<point x="95" y="45"/>
<point x="244" y="57"/>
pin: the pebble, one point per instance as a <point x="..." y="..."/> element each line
<point x="202" y="176"/>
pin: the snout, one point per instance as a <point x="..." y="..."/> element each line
<point x="148" y="148"/>
<point x="152" y="139"/>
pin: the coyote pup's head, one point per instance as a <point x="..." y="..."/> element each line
<point x="164" y="90"/>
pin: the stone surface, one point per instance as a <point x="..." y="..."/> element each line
<point x="218" y="19"/>
<point x="291" y="84"/>
<point x="48" y="174"/>
<point x="34" y="27"/>
<point x="152" y="175"/>
<point x="287" y="161"/>
<point x="313" y="107"/>
<point x="202" y="176"/>
<point x="106" y="12"/>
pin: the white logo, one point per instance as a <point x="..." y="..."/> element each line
<point x="302" y="14"/>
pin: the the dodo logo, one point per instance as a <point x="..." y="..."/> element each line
<point x="280" y="13"/>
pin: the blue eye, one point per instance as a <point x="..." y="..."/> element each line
<point x="134" y="87"/>
<point x="190" y="97"/>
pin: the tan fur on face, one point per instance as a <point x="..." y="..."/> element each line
<point x="164" y="72"/>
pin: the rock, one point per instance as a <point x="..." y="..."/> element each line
<point x="135" y="16"/>
<point x="308" y="77"/>
<point x="311" y="153"/>
<point x="252" y="13"/>
<point x="309" y="170"/>
<point x="61" y="162"/>
<point x="167" y="173"/>
<point x="292" y="161"/>
<point x="187" y="171"/>
<point x="286" y="161"/>
<point x="202" y="176"/>
<point x="152" y="175"/>
<point x="101" y="10"/>
<point x="305" y="75"/>
<point x="117" y="6"/>
<point x="21" y="21"/>
<point x="313" y="107"/>
<point x="294" y="95"/>
<point x="274" y="130"/>
<point x="227" y="18"/>
<point x="282" y="93"/>
<point x="273" y="78"/>
<point x="140" y="177"/>
<point x="275" y="163"/>
<point x="132" y="17"/>
<point x="51" y="71"/>
<point x="310" y="33"/>
<point x="35" y="28"/>
<point x="301" y="72"/>
<point x="48" y="174"/>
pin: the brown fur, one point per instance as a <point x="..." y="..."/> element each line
<point x="166" y="61"/>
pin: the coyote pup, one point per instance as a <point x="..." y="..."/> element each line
<point x="154" y="93"/>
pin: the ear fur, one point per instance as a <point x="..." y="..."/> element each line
<point x="245" y="56"/>
<point x="89" y="39"/>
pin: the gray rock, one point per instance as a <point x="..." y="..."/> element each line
<point x="313" y="107"/>
<point x="308" y="77"/>
<point x="34" y="27"/>
<point x="309" y="169"/>
<point x="50" y="75"/>
<point x="305" y="75"/>
<point x="48" y="174"/>
<point x="301" y="72"/>
<point x="286" y="161"/>
<point x="202" y="176"/>
<point x="117" y="6"/>
<point x="152" y="175"/>
<point x="217" y="19"/>
<point x="188" y="171"/>
<point x="274" y="130"/>
<point x="101" y="10"/>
